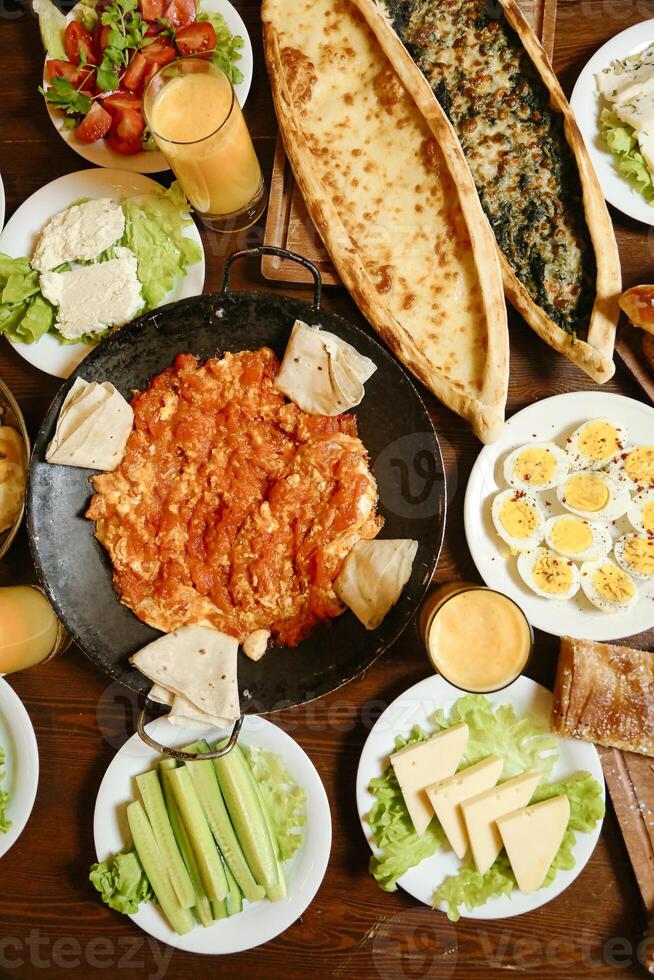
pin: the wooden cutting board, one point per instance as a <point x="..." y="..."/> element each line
<point x="289" y="226"/>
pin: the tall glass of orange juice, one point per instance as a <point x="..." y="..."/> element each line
<point x="197" y="123"/>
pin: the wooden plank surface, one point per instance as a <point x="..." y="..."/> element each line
<point x="288" y="224"/>
<point x="51" y="923"/>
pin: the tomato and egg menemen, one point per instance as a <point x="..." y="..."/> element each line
<point x="233" y="508"/>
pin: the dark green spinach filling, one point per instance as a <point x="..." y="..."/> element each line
<point x="524" y="170"/>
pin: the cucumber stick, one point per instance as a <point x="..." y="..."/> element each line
<point x="234" y="897"/>
<point x="155" y="808"/>
<point x="205" y="782"/>
<point x="280" y="890"/>
<point x="242" y="801"/>
<point x="153" y="864"/>
<point x="202" y="904"/>
<point x="219" y="909"/>
<point x="197" y="828"/>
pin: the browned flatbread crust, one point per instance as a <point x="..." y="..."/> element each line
<point x="594" y="355"/>
<point x="458" y="351"/>
<point x="605" y="694"/>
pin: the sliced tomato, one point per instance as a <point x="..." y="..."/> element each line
<point x="78" y="77"/>
<point x="160" y="52"/>
<point x="152" y="9"/>
<point x="121" y="102"/>
<point x="133" y="77"/>
<point x="180" y="13"/>
<point x="100" y="39"/>
<point x="126" y="133"/>
<point x="197" y="38"/>
<point x="78" y="40"/>
<point x="94" y="125"/>
<point x="151" y="71"/>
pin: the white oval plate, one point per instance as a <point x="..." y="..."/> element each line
<point x="414" y="707"/>
<point x="153" y="161"/>
<point x="259" y="921"/>
<point x="21" y="765"/>
<point x="20" y="234"/>
<point x="585" y="102"/>
<point x="551" y="419"/>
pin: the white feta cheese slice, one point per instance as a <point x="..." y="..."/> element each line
<point x="92" y="298"/>
<point x="638" y="112"/>
<point x="79" y="234"/>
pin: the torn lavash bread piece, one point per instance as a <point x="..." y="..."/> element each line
<point x="321" y="373"/>
<point x="198" y="665"/>
<point x="373" y="576"/>
<point x="93" y="427"/>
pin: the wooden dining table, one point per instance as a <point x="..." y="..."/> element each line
<point x="51" y="920"/>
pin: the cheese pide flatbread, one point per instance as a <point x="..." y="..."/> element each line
<point x="535" y="180"/>
<point x="408" y="237"/>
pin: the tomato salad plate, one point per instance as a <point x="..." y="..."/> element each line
<point x="313" y="488"/>
<point x="80" y="245"/>
<point x="508" y="732"/>
<point x="559" y="514"/>
<point x="101" y="57"/>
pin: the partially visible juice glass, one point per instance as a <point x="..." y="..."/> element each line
<point x="197" y="123"/>
<point x="30" y="633"/>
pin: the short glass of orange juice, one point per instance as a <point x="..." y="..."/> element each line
<point x="30" y="632"/>
<point x="192" y="111"/>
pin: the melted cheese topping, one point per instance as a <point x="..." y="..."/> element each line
<point x="518" y="517"/>
<point x="612" y="584"/>
<point x="639" y="554"/>
<point x="535" y="466"/>
<point x="572" y="535"/>
<point x="639" y="465"/>
<point x="586" y="492"/>
<point x="552" y="575"/>
<point x="388" y="181"/>
<point x="514" y="143"/>
<point x="599" y="441"/>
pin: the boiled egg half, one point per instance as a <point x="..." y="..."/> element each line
<point x="576" y="538"/>
<point x="536" y="466"/>
<point x="548" y="575"/>
<point x="518" y="519"/>
<point x="635" y="554"/>
<point x="593" y="495"/>
<point x="594" y="444"/>
<point x="634" y="468"/>
<point x="641" y="512"/>
<point x="608" y="586"/>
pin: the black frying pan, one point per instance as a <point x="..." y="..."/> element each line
<point x="75" y="570"/>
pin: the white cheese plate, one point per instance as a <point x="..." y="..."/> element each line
<point x="415" y="707"/>
<point x="23" y="228"/>
<point x="586" y="104"/>
<point x="153" y="161"/>
<point x="552" y="419"/>
<point x="21" y="765"/>
<point x="259" y="921"/>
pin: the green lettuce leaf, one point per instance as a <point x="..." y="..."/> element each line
<point x="39" y="317"/>
<point x="524" y="743"/>
<point x="52" y="25"/>
<point x="122" y="882"/>
<point x="620" y="139"/>
<point x="470" y="889"/>
<point x="228" y="48"/>
<point x="20" y="286"/>
<point x="285" y="800"/>
<point x="400" y="847"/>
<point x="5" y="824"/>
<point x="154" y="230"/>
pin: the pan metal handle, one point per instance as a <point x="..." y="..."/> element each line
<point x="177" y="753"/>
<point x="282" y="253"/>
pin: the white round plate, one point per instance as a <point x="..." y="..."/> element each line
<point x="586" y="105"/>
<point x="259" y="921"/>
<point x="414" y="707"/>
<point x="24" y="226"/>
<point x="551" y="419"/>
<point x="21" y="765"/>
<point x="152" y="161"/>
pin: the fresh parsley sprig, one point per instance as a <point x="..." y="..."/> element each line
<point x="126" y="34"/>
<point x="63" y="95"/>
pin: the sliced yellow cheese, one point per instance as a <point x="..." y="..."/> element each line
<point x="447" y="795"/>
<point x="418" y="766"/>
<point x="532" y="836"/>
<point x="481" y="813"/>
